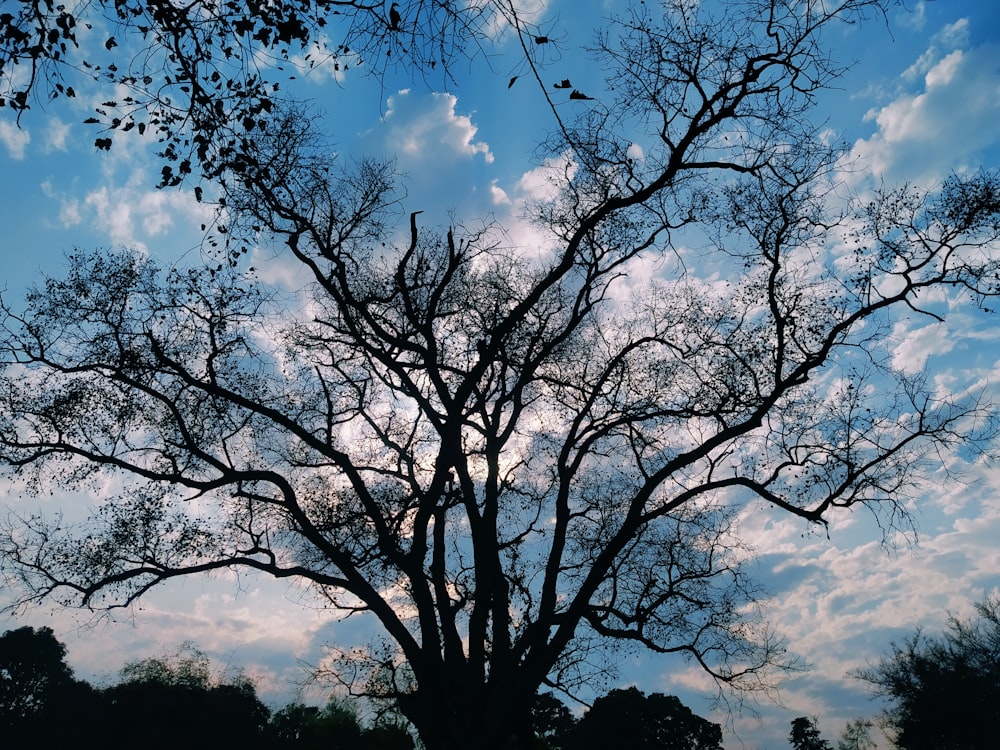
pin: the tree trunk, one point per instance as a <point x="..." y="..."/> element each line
<point x="471" y="719"/>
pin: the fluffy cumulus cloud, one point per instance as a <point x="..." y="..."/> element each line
<point x="435" y="148"/>
<point x="943" y="117"/>
<point x="918" y="344"/>
<point x="427" y="129"/>
<point x="543" y="183"/>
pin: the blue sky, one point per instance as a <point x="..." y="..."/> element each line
<point x="922" y="101"/>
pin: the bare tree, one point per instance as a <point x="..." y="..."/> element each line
<point x="513" y="458"/>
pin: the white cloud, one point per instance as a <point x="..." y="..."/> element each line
<point x="951" y="37"/>
<point x="914" y="17"/>
<point x="56" y="135"/>
<point x="944" y="126"/>
<point x="133" y="218"/>
<point x="954" y="34"/>
<point x="496" y="23"/>
<point x="544" y="182"/>
<point x="918" y="344"/>
<point x="500" y="197"/>
<point x="15" y="139"/>
<point x="113" y="216"/>
<point x="427" y="130"/>
<point x="69" y="213"/>
<point x="943" y="72"/>
<point x="635" y="152"/>
<point x="318" y="66"/>
<point x="842" y="600"/>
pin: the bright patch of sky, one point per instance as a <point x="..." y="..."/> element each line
<point x="922" y="100"/>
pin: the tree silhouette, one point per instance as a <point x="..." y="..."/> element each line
<point x="169" y="703"/>
<point x="335" y="726"/>
<point x="857" y="736"/>
<point x="511" y="458"/>
<point x="32" y="667"/>
<point x="629" y="718"/>
<point x="164" y="704"/>
<point x="944" y="691"/>
<point x="41" y="703"/>
<point x="805" y="735"/>
<point x="551" y="722"/>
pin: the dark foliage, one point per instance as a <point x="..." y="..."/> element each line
<point x="552" y="722"/>
<point x="857" y="735"/>
<point x="334" y="727"/>
<point x="41" y="703"/>
<point x="631" y="719"/>
<point x="162" y="704"/>
<point x="944" y="691"/>
<point x="805" y="735"/>
<point x="168" y="703"/>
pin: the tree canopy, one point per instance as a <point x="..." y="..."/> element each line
<point x="630" y="718"/>
<point x="512" y="457"/>
<point x="36" y="684"/>
<point x="944" y="691"/>
<point x="177" y="702"/>
<point x="805" y="735"/>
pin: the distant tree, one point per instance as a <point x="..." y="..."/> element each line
<point x="293" y="725"/>
<point x="32" y="670"/>
<point x="388" y="735"/>
<point x="551" y="721"/>
<point x="944" y="691"/>
<point x="805" y="735"/>
<point x="170" y="703"/>
<point x="631" y="719"/>
<point x="857" y="736"/>
<point x="41" y="703"/>
<point x="334" y="726"/>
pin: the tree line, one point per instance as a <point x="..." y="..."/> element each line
<point x="172" y="702"/>
<point x="161" y="703"/>
<point x="943" y="693"/>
